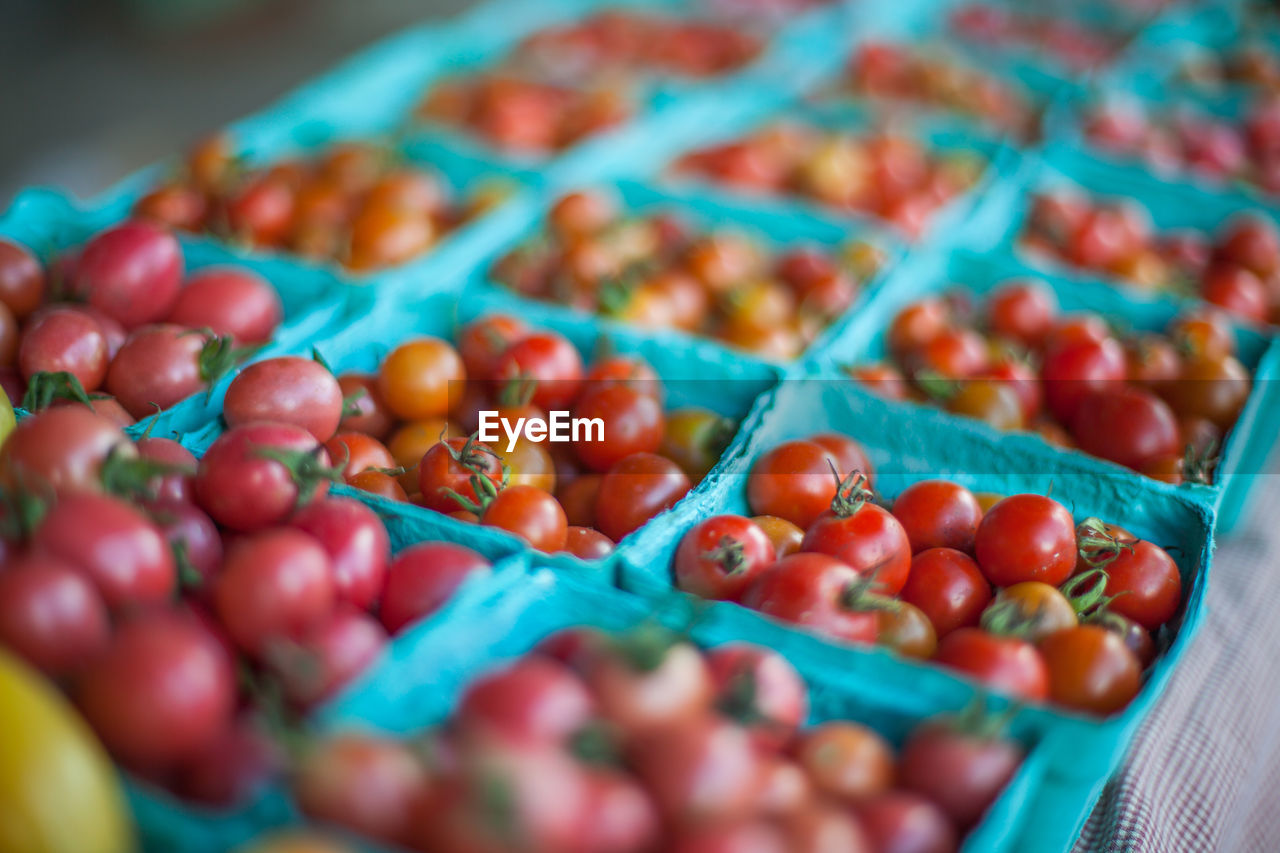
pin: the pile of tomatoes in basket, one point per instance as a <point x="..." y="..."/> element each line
<point x="183" y="609"/>
<point x="641" y="741"/>
<point x="1160" y="404"/>
<point x="933" y="78"/>
<point x="655" y="271"/>
<point x="117" y="324"/>
<point x="1010" y="591"/>
<point x="357" y="204"/>
<point x="1078" y="47"/>
<point x="890" y="176"/>
<point x="426" y="401"/>
<point x="1237" y="268"/>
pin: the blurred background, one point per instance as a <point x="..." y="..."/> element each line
<point x="92" y="89"/>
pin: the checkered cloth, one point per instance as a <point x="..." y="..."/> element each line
<point x="1204" y="771"/>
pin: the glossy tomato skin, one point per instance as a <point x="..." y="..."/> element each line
<point x="161" y="693"/>
<point x="62" y="449"/>
<point x="1126" y="425"/>
<point x="962" y="773"/>
<point x="948" y="587"/>
<point x="229" y="301"/>
<point x="721" y="556"/>
<point x="871" y="541"/>
<point x="530" y="513"/>
<point x="634" y="490"/>
<point x="185" y="525"/>
<point x="65" y="340"/>
<point x="22" y="279"/>
<point x="448" y="467"/>
<point x="938" y="514"/>
<point x="116" y="546"/>
<point x="157" y="366"/>
<point x="51" y="615"/>
<point x="275" y="586"/>
<point x="809" y="590"/>
<point x="1006" y="664"/>
<point x="1071" y="371"/>
<point x="793" y="481"/>
<point x="287" y="389"/>
<point x="1091" y="669"/>
<point x="533" y="700"/>
<point x="358" y="546"/>
<point x="131" y="273"/>
<point x="242" y="489"/>
<point x="362" y="402"/>
<point x="633" y="423"/>
<point x="415" y="379"/>
<point x="362" y="454"/>
<point x="1146" y="583"/>
<point x="1026" y="537"/>
<point x="548" y="359"/>
<point x="747" y="836"/>
<point x="761" y="690"/>
<point x="422" y="578"/>
<point x="586" y="543"/>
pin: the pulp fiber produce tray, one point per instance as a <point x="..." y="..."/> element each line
<point x="776" y="229"/>
<point x="694" y="372"/>
<point x="1081" y="750"/>
<point x="1246" y="448"/>
<point x="48" y="223"/>
<point x="412" y="691"/>
<point x="167" y="823"/>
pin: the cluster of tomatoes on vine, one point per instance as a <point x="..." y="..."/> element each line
<point x="915" y="75"/>
<point x="656" y="271"/>
<point x="885" y="174"/>
<point x="425" y="401"/>
<point x="1236" y="269"/>
<point x="618" y="42"/>
<point x="1160" y="404"/>
<point x="1006" y="590"/>
<point x="1078" y="47"/>
<point x="117" y="325"/>
<point x="641" y="741"/>
<point x="1187" y="141"/>
<point x="355" y="203"/>
<point x="191" y="608"/>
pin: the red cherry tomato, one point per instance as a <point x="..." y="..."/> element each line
<point x="288" y="390"/>
<point x="938" y="514"/>
<point x="549" y="360"/>
<point x="637" y="695"/>
<point x="700" y="769"/>
<point x="530" y="513"/>
<point x="793" y="481"/>
<point x="1146" y="583"/>
<point x="1071" y="371"/>
<point x="62" y="449"/>
<point x="327" y="657"/>
<point x="356" y="542"/>
<point x="846" y="760"/>
<point x="813" y="590"/>
<point x="229" y="301"/>
<point x="1006" y="664"/>
<point x="900" y="821"/>
<point x="761" y="690"/>
<point x="948" y="587"/>
<point x="632" y="419"/>
<point x="868" y="539"/>
<point x="1126" y="425"/>
<point x="637" y="488"/>
<point x="22" y="279"/>
<point x="447" y="467"/>
<point x="160" y="366"/>
<point x="961" y="772"/>
<point x="131" y="273"/>
<point x="1090" y="669"/>
<point x="1026" y="538"/>
<point x="534" y="700"/>
<point x="163" y="692"/>
<point x="65" y="340"/>
<point x="51" y="615"/>
<point x="422" y="578"/>
<point x="1022" y="311"/>
<point x="482" y="342"/>
<point x="586" y="543"/>
<point x="721" y="556"/>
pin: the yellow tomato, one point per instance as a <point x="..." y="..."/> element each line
<point x="7" y="420"/>
<point x="58" y="791"/>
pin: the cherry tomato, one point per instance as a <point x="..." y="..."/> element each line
<point x="865" y="537"/>
<point x="578" y="497"/>
<point x="633" y="423"/>
<point x="938" y="514"/>
<point x="904" y="822"/>
<point x="371" y="785"/>
<point x="63" y="449"/>
<point x="286" y="389"/>
<point x="65" y="340"/>
<point x="813" y="590"/>
<point x="761" y="690"/>
<point x="356" y="542"/>
<point x="1006" y="664"/>
<point x="530" y="513"/>
<point x="846" y="760"/>
<point x="721" y="556"/>
<point x="917" y="325"/>
<point x="482" y="342"/>
<point x="948" y="587"/>
<point x="1146" y="583"/>
<point x="1022" y="311"/>
<point x="275" y="586"/>
<point x="1237" y="291"/>
<point x="1029" y="610"/>
<point x="907" y="630"/>
<point x="51" y="615"/>
<point x="636" y="489"/>
<point x="640" y="692"/>
<point x="784" y="535"/>
<point x="131" y="273"/>
<point x="961" y="772"/>
<point x="1126" y="425"/>
<point x="695" y="439"/>
<point x="1072" y="370"/>
<point x="360" y="452"/>
<point x="362" y="406"/>
<point x="1026" y="537"/>
<point x="528" y="463"/>
<point x="1252" y="242"/>
<point x="1090" y="669"/>
<point x="422" y="578"/>
<point x="162" y="692"/>
<point x="161" y="366"/>
<point x="185" y="526"/>
<point x="623" y="816"/>
<point x="533" y="700"/>
<point x="229" y="301"/>
<point x="793" y="481"/>
<point x="327" y="657"/>
<point x="586" y="543"/>
<point x="747" y="836"/>
<point x="253" y="454"/>
<point x="700" y="769"/>
<point x="378" y="484"/>
<point x="22" y="279"/>
<point x="1211" y="388"/>
<point x="410" y="443"/>
<point x="175" y="485"/>
<point x="416" y="377"/>
<point x="550" y="361"/>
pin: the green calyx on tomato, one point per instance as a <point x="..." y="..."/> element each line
<point x="133" y="477"/>
<point x="219" y="355"/>
<point x="1086" y="592"/>
<point x="46" y="386"/>
<point x="852" y="492"/>
<point x="472" y="456"/>
<point x="306" y="468"/>
<point x="1098" y="546"/>
<point x="857" y="596"/>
